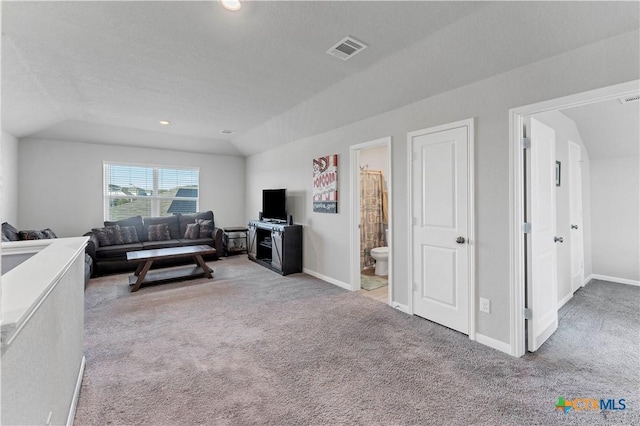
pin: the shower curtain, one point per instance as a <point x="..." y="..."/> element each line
<point x="371" y="215"/>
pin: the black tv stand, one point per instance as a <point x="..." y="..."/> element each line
<point x="277" y="246"/>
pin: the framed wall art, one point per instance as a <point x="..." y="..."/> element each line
<point x="325" y="184"/>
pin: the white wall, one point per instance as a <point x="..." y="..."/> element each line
<point x="326" y="244"/>
<point x="615" y="203"/>
<point x="61" y="185"/>
<point x="9" y="179"/>
<point x="566" y="131"/>
<point x="375" y="158"/>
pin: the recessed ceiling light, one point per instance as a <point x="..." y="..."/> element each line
<point x="165" y="122"/>
<point x="227" y="132"/>
<point x="231" y="4"/>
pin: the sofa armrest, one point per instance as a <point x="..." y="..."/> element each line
<point x="217" y="236"/>
<point x="92" y="245"/>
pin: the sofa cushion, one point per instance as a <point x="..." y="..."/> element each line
<point x="129" y="234"/>
<point x="150" y="245"/>
<point x="192" y="232"/>
<point x="108" y="236"/>
<point x="200" y="241"/>
<point x="185" y="219"/>
<point x="10" y="232"/>
<point x="171" y="221"/>
<point x="132" y="221"/>
<point x="119" y="251"/>
<point x="159" y="232"/>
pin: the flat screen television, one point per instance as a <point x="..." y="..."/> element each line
<point x="274" y="205"/>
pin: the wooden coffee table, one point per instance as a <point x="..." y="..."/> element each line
<point x="147" y="257"/>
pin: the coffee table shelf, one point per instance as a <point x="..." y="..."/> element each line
<point x="170" y="275"/>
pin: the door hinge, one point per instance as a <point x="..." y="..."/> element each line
<point x="527" y="314"/>
<point x="526" y="228"/>
<point x="526" y="143"/>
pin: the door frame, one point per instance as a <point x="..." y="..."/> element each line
<point x="517" y="259"/>
<point x="471" y="219"/>
<point x="354" y="151"/>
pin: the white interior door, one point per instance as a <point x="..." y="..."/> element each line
<point x="542" y="285"/>
<point x="575" y="207"/>
<point x="440" y="251"/>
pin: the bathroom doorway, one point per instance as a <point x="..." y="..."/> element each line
<point x="371" y="240"/>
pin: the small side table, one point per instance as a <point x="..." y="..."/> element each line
<point x="234" y="240"/>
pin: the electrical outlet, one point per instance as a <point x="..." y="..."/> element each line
<point x="485" y="305"/>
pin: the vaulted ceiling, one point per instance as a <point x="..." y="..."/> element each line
<point x="108" y="72"/>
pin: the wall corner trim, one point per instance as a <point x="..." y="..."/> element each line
<point x="327" y="279"/>
<point x="614" y="279"/>
<point x="565" y="299"/>
<point x="76" y="393"/>
<point x="493" y="343"/>
<point x="401" y="307"/>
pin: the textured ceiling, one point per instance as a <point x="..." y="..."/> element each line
<point x="107" y="72"/>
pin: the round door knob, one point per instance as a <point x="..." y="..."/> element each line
<point x="574" y="226"/>
<point x="460" y="240"/>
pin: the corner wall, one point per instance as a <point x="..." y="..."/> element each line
<point x="61" y="184"/>
<point x="9" y="179"/>
<point x="325" y="236"/>
<point x="615" y="194"/>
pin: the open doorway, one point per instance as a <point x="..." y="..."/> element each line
<point x="539" y="304"/>
<point x="371" y="223"/>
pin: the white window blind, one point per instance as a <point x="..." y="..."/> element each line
<point x="149" y="190"/>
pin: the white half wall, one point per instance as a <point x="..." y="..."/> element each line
<point x="60" y="183"/>
<point x="9" y="179"/>
<point x="566" y="131"/>
<point x="325" y="236"/>
<point x="615" y="227"/>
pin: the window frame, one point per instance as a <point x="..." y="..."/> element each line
<point x="155" y="198"/>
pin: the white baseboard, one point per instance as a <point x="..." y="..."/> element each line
<point x="564" y="300"/>
<point x="613" y="279"/>
<point x="493" y="343"/>
<point x="327" y="279"/>
<point x="76" y="393"/>
<point x="401" y="307"/>
<point x="586" y="280"/>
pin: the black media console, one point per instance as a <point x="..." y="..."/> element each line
<point x="277" y="246"/>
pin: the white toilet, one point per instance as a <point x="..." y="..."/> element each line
<point x="381" y="255"/>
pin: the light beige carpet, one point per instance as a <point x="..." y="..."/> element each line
<point x="251" y="347"/>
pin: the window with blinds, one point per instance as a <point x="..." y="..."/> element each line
<point x="149" y="190"/>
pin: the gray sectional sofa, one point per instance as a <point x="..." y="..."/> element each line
<point x="108" y="246"/>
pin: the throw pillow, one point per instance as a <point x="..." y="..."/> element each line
<point x="109" y="235"/>
<point x="159" y="232"/>
<point x="206" y="228"/>
<point x="32" y="234"/>
<point x="10" y="232"/>
<point x="132" y="221"/>
<point x="192" y="232"/>
<point x="129" y="234"/>
<point x="49" y="233"/>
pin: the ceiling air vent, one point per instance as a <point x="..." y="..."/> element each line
<point x="346" y="48"/>
<point x="630" y="98"/>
